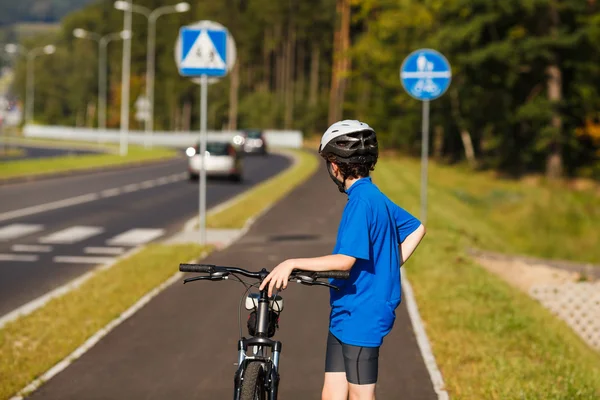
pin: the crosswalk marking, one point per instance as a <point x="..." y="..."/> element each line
<point x="82" y="260"/>
<point x="135" y="237"/>
<point x="104" y="250"/>
<point x="72" y="235"/>
<point x="18" y="257"/>
<point x="15" y="231"/>
<point x="31" y="248"/>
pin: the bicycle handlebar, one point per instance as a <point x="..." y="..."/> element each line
<point x="210" y="269"/>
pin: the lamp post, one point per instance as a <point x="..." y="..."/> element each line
<point x="152" y="16"/>
<point x="103" y="42"/>
<point x="30" y="56"/>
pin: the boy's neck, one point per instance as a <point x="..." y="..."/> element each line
<point x="350" y="181"/>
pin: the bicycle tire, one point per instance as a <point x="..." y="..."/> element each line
<point x="253" y="384"/>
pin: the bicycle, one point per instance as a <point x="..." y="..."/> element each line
<point x="257" y="375"/>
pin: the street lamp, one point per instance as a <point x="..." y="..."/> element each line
<point x="152" y="16"/>
<point x="30" y="56"/>
<point x="102" y="45"/>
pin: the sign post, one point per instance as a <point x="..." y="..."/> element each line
<point x="425" y="75"/>
<point x="204" y="50"/>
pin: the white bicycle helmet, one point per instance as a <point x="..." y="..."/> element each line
<point x="350" y="141"/>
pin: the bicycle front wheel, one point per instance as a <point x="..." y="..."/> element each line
<point x="253" y="384"/>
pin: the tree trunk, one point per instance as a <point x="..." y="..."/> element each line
<point x="341" y="61"/>
<point x="186" y="116"/>
<point x="300" y="73"/>
<point x="267" y="60"/>
<point x="438" y="141"/>
<point x="289" y="77"/>
<point x="233" y="96"/>
<point x="465" y="136"/>
<point x="554" y="162"/>
<point x="314" y="76"/>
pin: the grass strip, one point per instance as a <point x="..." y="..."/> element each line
<point x="490" y="340"/>
<point x="44" y="166"/>
<point x="32" y="344"/>
<point x="265" y="194"/>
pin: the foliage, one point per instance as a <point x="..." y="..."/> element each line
<point x="502" y="54"/>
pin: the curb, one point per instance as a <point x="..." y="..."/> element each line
<point x="87" y="171"/>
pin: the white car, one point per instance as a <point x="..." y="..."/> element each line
<point x="222" y="160"/>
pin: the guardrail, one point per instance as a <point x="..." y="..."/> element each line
<point x="274" y="138"/>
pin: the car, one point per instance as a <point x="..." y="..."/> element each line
<point x="222" y="161"/>
<point x="252" y="141"/>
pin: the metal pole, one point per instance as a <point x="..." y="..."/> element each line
<point x="150" y="74"/>
<point x="30" y="89"/>
<point x="424" y="159"/>
<point x="125" y="80"/>
<point x="202" y="186"/>
<point x="102" y="85"/>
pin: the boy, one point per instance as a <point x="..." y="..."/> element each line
<point x="374" y="238"/>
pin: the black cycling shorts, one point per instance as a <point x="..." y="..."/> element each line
<point x="359" y="363"/>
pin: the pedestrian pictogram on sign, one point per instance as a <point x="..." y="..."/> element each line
<point x="204" y="52"/>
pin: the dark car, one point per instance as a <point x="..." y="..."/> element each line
<point x="253" y="141"/>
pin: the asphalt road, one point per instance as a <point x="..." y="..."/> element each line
<point x="183" y="343"/>
<point x="43" y="152"/>
<point x="54" y="230"/>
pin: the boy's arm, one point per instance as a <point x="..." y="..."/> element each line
<point x="408" y="246"/>
<point x="278" y="278"/>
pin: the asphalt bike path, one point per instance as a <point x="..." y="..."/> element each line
<point x="42" y="251"/>
<point x="183" y="343"/>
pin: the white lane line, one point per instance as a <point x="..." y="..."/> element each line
<point x="18" y="257"/>
<point x="31" y="248"/>
<point x="110" y="192"/>
<point x="72" y="235"/>
<point x="135" y="237"/>
<point x="15" y="231"/>
<point x="422" y="340"/>
<point x="147" y="184"/>
<point x="131" y="188"/>
<point x="86" y="198"/>
<point x="82" y="260"/>
<point x="104" y="250"/>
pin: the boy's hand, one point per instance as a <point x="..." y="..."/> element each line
<point x="278" y="278"/>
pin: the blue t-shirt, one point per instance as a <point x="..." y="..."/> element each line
<point x="372" y="227"/>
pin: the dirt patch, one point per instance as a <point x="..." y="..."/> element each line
<point x="525" y="275"/>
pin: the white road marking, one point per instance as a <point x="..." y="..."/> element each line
<point x="72" y="235"/>
<point x="131" y="188"/>
<point x="135" y="237"/>
<point x="86" y="198"/>
<point x="31" y="248"/>
<point x="18" y="257"/>
<point x="422" y="340"/>
<point x="104" y="250"/>
<point x="162" y="180"/>
<point x="15" y="231"/>
<point x="82" y="260"/>
<point x="110" y="192"/>
<point x="147" y="184"/>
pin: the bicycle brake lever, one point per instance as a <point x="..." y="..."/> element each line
<point x="219" y="277"/>
<point x="319" y="283"/>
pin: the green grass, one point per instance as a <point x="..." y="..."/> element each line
<point x="265" y="194"/>
<point x="44" y="166"/>
<point x="490" y="340"/>
<point x="34" y="343"/>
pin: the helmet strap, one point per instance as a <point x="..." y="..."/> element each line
<point x="341" y="185"/>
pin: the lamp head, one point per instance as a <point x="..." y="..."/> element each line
<point x="79" y="33"/>
<point x="49" y="49"/>
<point x="121" y="5"/>
<point x="182" y="7"/>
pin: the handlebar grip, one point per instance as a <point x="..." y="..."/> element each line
<point x="333" y="274"/>
<point x="197" y="268"/>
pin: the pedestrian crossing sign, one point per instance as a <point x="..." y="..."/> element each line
<point x="204" y="52"/>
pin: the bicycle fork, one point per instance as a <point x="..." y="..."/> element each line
<point x="271" y="366"/>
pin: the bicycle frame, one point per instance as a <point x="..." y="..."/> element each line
<point x="260" y="341"/>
